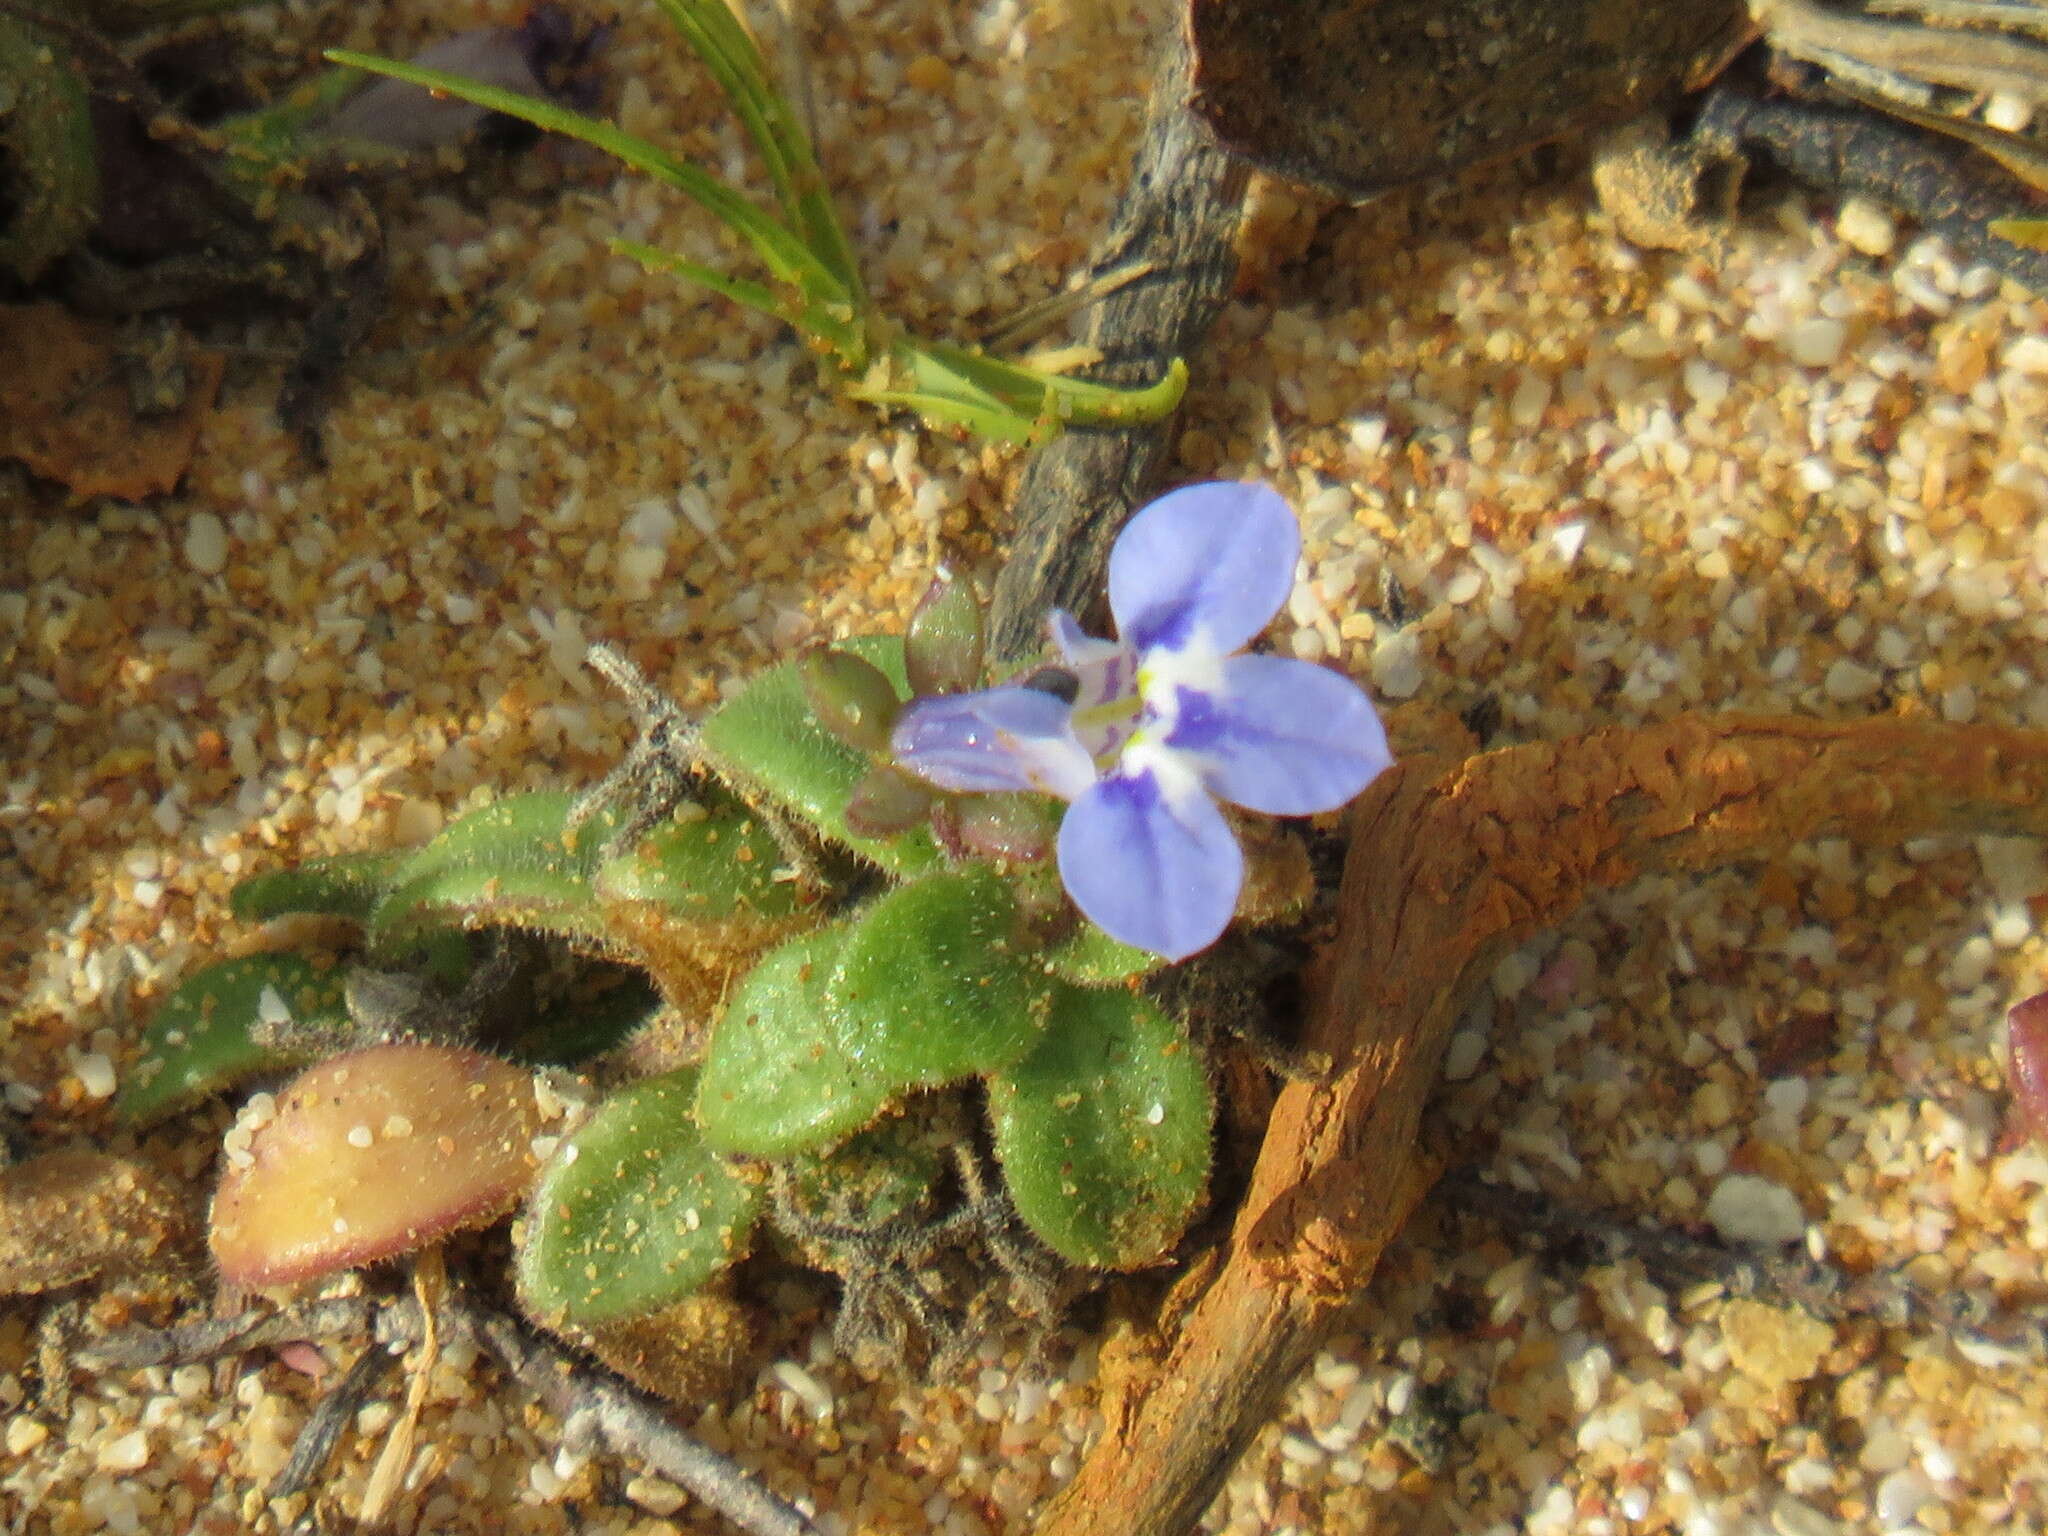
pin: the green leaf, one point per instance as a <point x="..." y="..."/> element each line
<point x="513" y="863"/>
<point x="1103" y="1131"/>
<point x="348" y="885"/>
<point x="776" y="1079"/>
<point x="634" y="1212"/>
<point x="698" y="901"/>
<point x="50" y="156"/>
<point x="766" y="741"/>
<point x="703" y="865"/>
<point x="921" y="989"/>
<point x="931" y="988"/>
<point x="1091" y="958"/>
<point x="199" y="1041"/>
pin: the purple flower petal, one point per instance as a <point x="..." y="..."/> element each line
<point x="1215" y="558"/>
<point x="1155" y="872"/>
<point x="1104" y="669"/>
<point x="1284" y="737"/>
<point x="998" y="739"/>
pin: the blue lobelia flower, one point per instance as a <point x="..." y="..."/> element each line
<point x="1145" y="733"/>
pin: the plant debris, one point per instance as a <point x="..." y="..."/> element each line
<point x="78" y="407"/>
<point x="1450" y="84"/>
<point x="1452" y="863"/>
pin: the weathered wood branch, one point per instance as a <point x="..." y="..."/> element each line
<point x="1452" y="865"/>
<point x="1177" y="219"/>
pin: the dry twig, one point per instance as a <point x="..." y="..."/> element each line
<point x="1175" y="222"/>
<point x="588" y="1401"/>
<point x="1452" y="864"/>
<point x="1679" y="1261"/>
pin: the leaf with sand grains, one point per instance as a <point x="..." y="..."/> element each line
<point x="373" y="1154"/>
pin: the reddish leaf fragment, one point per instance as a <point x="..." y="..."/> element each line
<point x="370" y="1155"/>
<point x="2026" y="1028"/>
<point x="69" y="408"/>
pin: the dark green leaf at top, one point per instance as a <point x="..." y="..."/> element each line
<point x="514" y="863"/>
<point x="348" y="886"/>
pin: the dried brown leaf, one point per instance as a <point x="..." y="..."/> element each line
<point x="67" y="409"/>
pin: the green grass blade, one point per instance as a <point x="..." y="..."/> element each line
<point x="749" y="295"/>
<point x="712" y="29"/>
<point x="1007" y="401"/>
<point x="828" y="324"/>
<point x="781" y="250"/>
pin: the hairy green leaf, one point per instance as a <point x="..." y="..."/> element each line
<point x="514" y="863"/>
<point x="199" y="1041"/>
<point x="348" y="886"/>
<point x="767" y="742"/>
<point x="634" y="1212"/>
<point x="1103" y="1131"/>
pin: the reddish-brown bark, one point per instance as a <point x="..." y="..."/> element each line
<point x="1452" y="864"/>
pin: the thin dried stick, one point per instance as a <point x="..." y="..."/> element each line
<point x="1681" y="1261"/>
<point x="132" y="1349"/>
<point x="627" y="1422"/>
<point x="1451" y="866"/>
<point x="330" y="1416"/>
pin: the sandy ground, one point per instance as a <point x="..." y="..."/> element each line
<point x="1544" y="475"/>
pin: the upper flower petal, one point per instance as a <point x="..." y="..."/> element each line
<point x="1215" y="560"/>
<point x="1283" y="737"/>
<point x="1159" y="872"/>
<point x="997" y="739"/>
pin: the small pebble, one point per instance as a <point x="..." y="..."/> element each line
<point x="1848" y="681"/>
<point x="1747" y="1209"/>
<point x="657" y="1496"/>
<point x="24" y="1434"/>
<point x="206" y="543"/>
<point x="1901" y="1497"/>
<point x="1816" y="343"/>
<point x="1867" y="227"/>
<point x="126" y="1453"/>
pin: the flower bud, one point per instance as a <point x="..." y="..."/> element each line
<point x="887" y="802"/>
<point x="942" y="649"/>
<point x="851" y="698"/>
<point x="1018" y="829"/>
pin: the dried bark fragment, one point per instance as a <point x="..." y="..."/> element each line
<point x="1360" y="96"/>
<point x="1175" y="222"/>
<point x="68" y="411"/>
<point x="1851" y="150"/>
<point x="72" y="1216"/>
<point x="1453" y="864"/>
